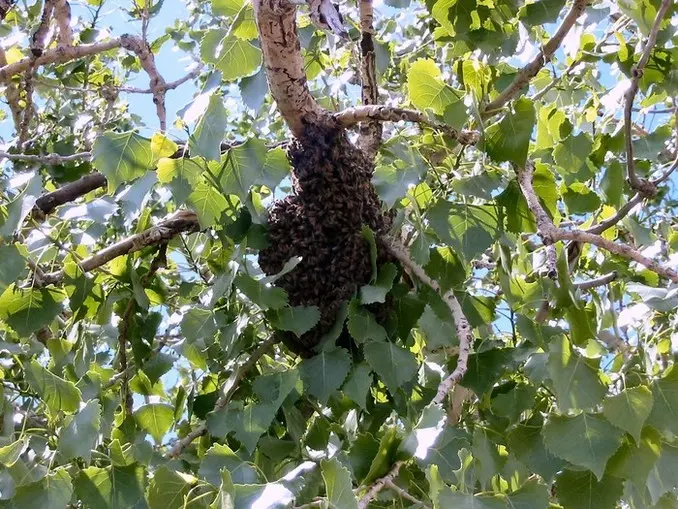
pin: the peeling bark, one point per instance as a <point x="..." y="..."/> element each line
<point x="276" y="20"/>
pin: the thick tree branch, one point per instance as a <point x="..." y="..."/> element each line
<point x="276" y="20"/>
<point x="227" y="392"/>
<point x="62" y="15"/>
<point x="12" y="94"/>
<point x="182" y="221"/>
<point x="643" y="186"/>
<point x="46" y="203"/>
<point x="371" y="130"/>
<point x="550" y="233"/>
<point x="543" y="57"/>
<point x="353" y="116"/>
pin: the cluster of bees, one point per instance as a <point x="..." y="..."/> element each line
<point x="321" y="222"/>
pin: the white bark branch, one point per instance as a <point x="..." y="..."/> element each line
<point x="353" y="116"/>
<point x="379" y="484"/>
<point x="538" y="62"/>
<point x="550" y="233"/>
<point x="276" y="21"/>
<point x="370" y="131"/>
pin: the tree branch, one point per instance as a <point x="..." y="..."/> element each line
<point x="405" y="494"/>
<point x="182" y="221"/>
<point x="464" y="334"/>
<point x="353" y="116"/>
<point x="62" y="15"/>
<point x="46" y="203"/>
<point x="613" y="220"/>
<point x="5" y="6"/>
<point x="550" y="233"/>
<point x="595" y="283"/>
<point x="379" y="484"/>
<point x="530" y="70"/>
<point x="227" y="392"/>
<point x="643" y="186"/>
<point x="11" y="94"/>
<point x="276" y="21"/>
<point x="371" y="130"/>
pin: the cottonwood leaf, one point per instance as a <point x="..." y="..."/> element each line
<point x="586" y="440"/>
<point x="112" y="487"/>
<point x="170" y="489"/>
<point x="209" y="132"/>
<point x="663" y="477"/>
<point x="665" y="407"/>
<point x="221" y="457"/>
<point x="53" y="491"/>
<point x="426" y="88"/>
<point x="509" y="139"/>
<point x="577" y="489"/>
<point x="10" y="453"/>
<point x="156" y="419"/>
<point x="629" y="409"/>
<point x="80" y="432"/>
<point x="122" y="157"/>
<point x="394" y="365"/>
<point x="13" y="264"/>
<point x="225" y="498"/>
<point x="362" y="325"/>
<point x="296" y="319"/>
<point x="242" y="167"/>
<point x="358" y="384"/>
<point x="57" y="393"/>
<point x="324" y="373"/>
<point x="266" y="297"/>
<point x="27" y="310"/>
<point x="338" y="485"/>
<point x="235" y="58"/>
<point x="576" y="383"/>
<point x="369" y="294"/>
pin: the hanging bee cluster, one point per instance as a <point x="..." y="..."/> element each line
<point x="321" y="222"/>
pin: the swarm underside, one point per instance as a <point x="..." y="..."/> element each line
<point x="321" y="222"/>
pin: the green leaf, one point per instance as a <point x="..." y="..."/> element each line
<point x="541" y="12"/>
<point x="226" y="495"/>
<point x="361" y="455"/>
<point x="198" y="325"/>
<point x="9" y="454"/>
<point x="297" y="319"/>
<point x="59" y="394"/>
<point x="28" y="310"/>
<point x="169" y="489"/>
<point x="634" y="461"/>
<point x="156" y="419"/>
<point x="458" y="500"/>
<point x="531" y="495"/>
<point x="80" y="432"/>
<point x="358" y="384"/>
<point x="509" y="139"/>
<point x="392" y="183"/>
<point x="209" y="132"/>
<point x="219" y="458"/>
<point x="111" y="487"/>
<point x="423" y="436"/>
<point x="338" y="485"/>
<point x="444" y="452"/>
<point x="208" y="203"/>
<point x="244" y="25"/>
<point x="577" y="489"/>
<point x="571" y="154"/>
<point x="586" y="440"/>
<point x="468" y="229"/>
<point x="242" y="167"/>
<point x="629" y="409"/>
<point x="234" y="57"/>
<point x="266" y="297"/>
<point x="438" y="329"/>
<point x="643" y="12"/>
<point x="362" y="325"/>
<point x="394" y="365"/>
<point x="580" y="199"/>
<point x="181" y="174"/>
<point x="369" y="294"/>
<point x="664" y="475"/>
<point x="665" y="407"/>
<point x="324" y="373"/>
<point x="122" y="157"/>
<point x="575" y="381"/>
<point x="385" y="457"/>
<point x="13" y="264"/>
<point x="51" y="492"/>
<point x="426" y="88"/>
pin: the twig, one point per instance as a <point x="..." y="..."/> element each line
<point x="370" y="131"/>
<point x="228" y="390"/>
<point x="599" y="281"/>
<point x="643" y="186"/>
<point x="464" y="334"/>
<point x="11" y="93"/>
<point x="621" y="214"/>
<point x="46" y="158"/>
<point x="550" y="233"/>
<point x="5" y="6"/>
<point x="379" y="484"/>
<point x="353" y="116"/>
<point x="530" y="70"/>
<point x="404" y="494"/>
<point x="62" y="15"/>
<point x="551" y="262"/>
<point x="182" y="221"/>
